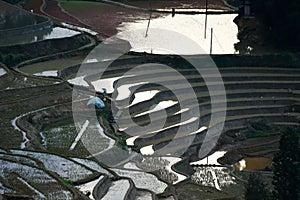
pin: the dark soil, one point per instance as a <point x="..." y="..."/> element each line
<point x="34" y="5"/>
<point x="46" y="47"/>
<point x="52" y="9"/>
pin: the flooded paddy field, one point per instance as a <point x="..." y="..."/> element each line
<point x="46" y="152"/>
<point x="60" y="137"/>
<point x="52" y="65"/>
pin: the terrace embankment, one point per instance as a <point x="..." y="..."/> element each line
<point x="46" y="47"/>
<point x="258" y="88"/>
<point x="261" y="87"/>
<point x="53" y="10"/>
<point x="19" y="26"/>
<point x="20" y="95"/>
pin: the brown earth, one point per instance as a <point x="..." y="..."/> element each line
<point x="52" y="9"/>
<point x="47" y="47"/>
<point x="110" y="17"/>
<point x="34" y="5"/>
<point x="106" y="20"/>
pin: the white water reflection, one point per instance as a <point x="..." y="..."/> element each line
<point x="51" y="33"/>
<point x="172" y="126"/>
<point x="191" y="26"/>
<point x="147" y="150"/>
<point x="2" y="72"/>
<point x="210" y="160"/>
<point x="181" y="111"/>
<point x="89" y="187"/>
<point x="143" y="96"/>
<point x="178" y="124"/>
<point x="24" y="135"/>
<point x="78" y="81"/>
<point x="199" y="130"/>
<point x="143" y="180"/>
<point x="161" y="105"/>
<point x="130" y="141"/>
<point x="124" y="92"/>
<point x="59" y="32"/>
<point x="92" y="60"/>
<point x="105" y="83"/>
<point x="174" y="160"/>
<point x="47" y="73"/>
<point x="131" y="165"/>
<point x="79" y="28"/>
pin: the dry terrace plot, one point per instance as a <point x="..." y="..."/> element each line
<point x="96" y="15"/>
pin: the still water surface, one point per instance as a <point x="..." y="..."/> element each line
<point x="224" y="34"/>
<point x="256" y="163"/>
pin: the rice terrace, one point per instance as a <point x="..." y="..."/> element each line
<point x="149" y="99"/>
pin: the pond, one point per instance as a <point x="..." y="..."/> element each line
<point x="224" y="34"/>
<point x="255" y="163"/>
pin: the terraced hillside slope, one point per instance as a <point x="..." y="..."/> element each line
<point x="262" y="95"/>
<point x="254" y="93"/>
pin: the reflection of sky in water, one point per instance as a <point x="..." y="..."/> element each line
<point x="191" y="26"/>
<point x="47" y="73"/>
<point x="23" y="27"/>
<point x="147" y="150"/>
<point x="89" y="186"/>
<point x="2" y="72"/>
<point x="58" y="32"/>
<point x="211" y="159"/>
<point x="54" y="33"/>
<point x="161" y="105"/>
<point x="143" y="96"/>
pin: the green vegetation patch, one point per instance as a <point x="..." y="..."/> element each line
<point x="11" y="60"/>
<point x="66" y="181"/>
<point x="259" y="128"/>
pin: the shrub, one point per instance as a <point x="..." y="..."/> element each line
<point x="11" y="60"/>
